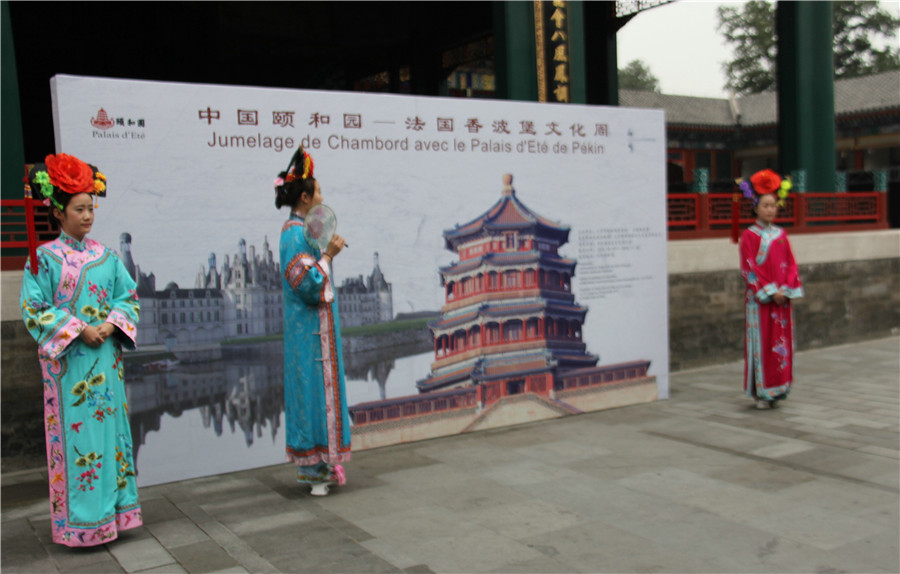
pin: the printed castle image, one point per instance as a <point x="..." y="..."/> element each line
<point x="508" y="347"/>
<point x="236" y="386"/>
<point x="366" y="301"/>
<point x="240" y="300"/>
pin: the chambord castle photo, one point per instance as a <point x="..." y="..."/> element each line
<point x="239" y="300"/>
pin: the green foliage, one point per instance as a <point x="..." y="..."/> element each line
<point x="750" y="29"/>
<point x="855" y="24"/>
<point x="751" y="32"/>
<point x="637" y="76"/>
<point x="379" y="328"/>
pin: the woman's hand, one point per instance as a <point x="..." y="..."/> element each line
<point x="334" y="246"/>
<point x="107" y="330"/>
<point x="92" y="336"/>
<point x="96" y="336"/>
<point x="779" y="298"/>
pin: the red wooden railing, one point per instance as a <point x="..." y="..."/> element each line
<point x="22" y="222"/>
<point x="698" y="216"/>
<point x="690" y="216"/>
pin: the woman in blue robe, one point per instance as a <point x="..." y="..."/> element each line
<point x="316" y="415"/>
<point x="79" y="304"/>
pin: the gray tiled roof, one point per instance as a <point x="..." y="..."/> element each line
<point x="867" y="94"/>
<point x="681" y="109"/>
<point x="851" y="96"/>
<point x="758" y="109"/>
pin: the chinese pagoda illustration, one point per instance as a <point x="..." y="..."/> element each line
<point x="510" y="314"/>
<point x="508" y="346"/>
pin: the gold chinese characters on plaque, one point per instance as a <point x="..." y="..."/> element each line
<point x="551" y="28"/>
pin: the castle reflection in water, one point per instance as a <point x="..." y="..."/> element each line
<point x="245" y="394"/>
<point x="241" y="394"/>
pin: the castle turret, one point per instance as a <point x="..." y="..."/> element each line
<point x="125" y="254"/>
<point x="377" y="282"/>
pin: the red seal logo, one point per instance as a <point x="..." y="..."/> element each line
<point x="102" y="121"/>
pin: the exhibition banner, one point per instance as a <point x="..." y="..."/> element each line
<point x="190" y="172"/>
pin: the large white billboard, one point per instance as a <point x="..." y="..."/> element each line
<point x="190" y="172"/>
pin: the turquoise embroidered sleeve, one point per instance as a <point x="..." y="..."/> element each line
<point x="765" y="294"/>
<point x="306" y="278"/>
<point x="52" y="327"/>
<point x="792" y="293"/>
<point x="126" y="308"/>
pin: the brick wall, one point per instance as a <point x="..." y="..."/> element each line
<point x="844" y="302"/>
<point x="22" y="423"/>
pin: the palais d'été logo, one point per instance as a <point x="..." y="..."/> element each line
<point x="106" y="126"/>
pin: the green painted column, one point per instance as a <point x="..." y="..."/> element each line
<point x="805" y="74"/>
<point x="515" y="54"/>
<point x="577" y="69"/>
<point x="12" y="152"/>
<point x="594" y="70"/>
<point x="13" y="148"/>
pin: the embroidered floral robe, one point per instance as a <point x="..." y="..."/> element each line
<point x="767" y="265"/>
<point x="93" y="493"/>
<point x="316" y="415"/>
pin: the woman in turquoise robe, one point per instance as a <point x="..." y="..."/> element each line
<point x="80" y="305"/>
<point x="317" y="421"/>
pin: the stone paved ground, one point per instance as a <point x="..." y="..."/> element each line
<point x="696" y="483"/>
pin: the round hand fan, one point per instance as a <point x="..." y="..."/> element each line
<point x="319" y="226"/>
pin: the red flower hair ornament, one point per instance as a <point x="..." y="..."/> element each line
<point x="765" y="181"/>
<point x="70" y="174"/>
<point x="761" y="183"/>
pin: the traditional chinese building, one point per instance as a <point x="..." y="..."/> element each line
<point x="510" y="314"/>
<point x="711" y="141"/>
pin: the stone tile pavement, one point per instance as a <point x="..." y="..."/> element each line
<point x="697" y="483"/>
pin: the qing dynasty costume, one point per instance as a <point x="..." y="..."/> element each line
<point x="767" y="266"/>
<point x="93" y="493"/>
<point x="317" y="420"/>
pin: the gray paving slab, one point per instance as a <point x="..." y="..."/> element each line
<point x="158" y="508"/>
<point x="203" y="557"/>
<point x="178" y="532"/>
<point x="239" y="549"/>
<point x="141" y="554"/>
<point x="171" y="569"/>
<point x="342" y="557"/>
<point x="701" y="482"/>
<point x="472" y="549"/>
<point x="522" y="519"/>
<point x="543" y="564"/>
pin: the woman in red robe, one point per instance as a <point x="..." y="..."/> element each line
<point x="772" y="282"/>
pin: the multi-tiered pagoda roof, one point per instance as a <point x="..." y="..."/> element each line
<point x="508" y="214"/>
